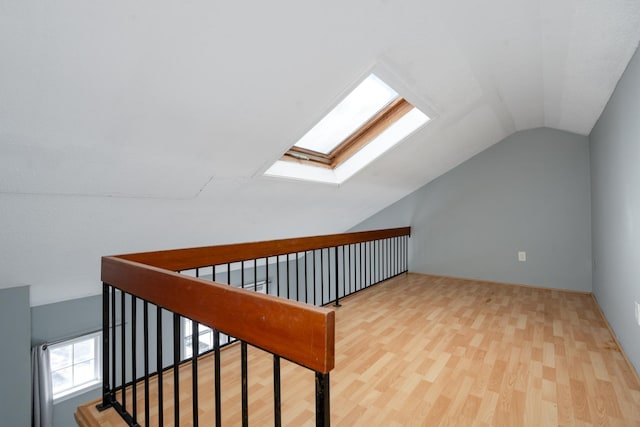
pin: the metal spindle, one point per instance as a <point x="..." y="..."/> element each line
<point x="105" y="348"/>
<point x="361" y="267"/>
<point x="297" y="277"/>
<point x="288" y="285"/>
<point x="344" y="273"/>
<point x="113" y="344"/>
<point x="278" y="275"/>
<point x="134" y="359"/>
<point x="242" y="274"/>
<point x="306" y="277"/>
<point x="195" y="350"/>
<point x="277" y="412"/>
<point x="176" y="365"/>
<point x="314" y="277"/>
<point x="337" y="304"/>
<point x="145" y="313"/>
<point x="245" y="385"/>
<point x="321" y="276"/>
<point x="255" y="275"/>
<point x="323" y="414"/>
<point x="216" y="367"/>
<point x="266" y="274"/>
<point x="159" y="364"/>
<point x="350" y="270"/>
<point x="123" y="348"/>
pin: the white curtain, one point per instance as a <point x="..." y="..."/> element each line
<point x="42" y="399"/>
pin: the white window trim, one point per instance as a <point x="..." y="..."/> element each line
<point x="87" y="386"/>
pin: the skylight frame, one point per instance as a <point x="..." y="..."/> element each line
<point x="377" y="124"/>
<point x="390" y="126"/>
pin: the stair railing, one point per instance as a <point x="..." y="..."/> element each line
<point x="176" y="305"/>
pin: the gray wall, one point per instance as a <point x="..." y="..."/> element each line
<point x="615" y="181"/>
<point x="530" y="192"/>
<point x="15" y="367"/>
<point x="62" y="320"/>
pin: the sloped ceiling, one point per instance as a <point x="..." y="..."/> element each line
<point x="128" y="126"/>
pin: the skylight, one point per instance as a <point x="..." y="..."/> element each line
<point x="366" y="123"/>
<point x="371" y="96"/>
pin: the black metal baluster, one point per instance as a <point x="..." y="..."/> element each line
<point x="370" y="264"/>
<point x="245" y="385"/>
<point x="213" y="272"/>
<point x="395" y="256"/>
<point x="228" y="273"/>
<point x="266" y="274"/>
<point x="321" y="276"/>
<point x="344" y="272"/>
<point x="242" y="274"/>
<point x="350" y="270"/>
<point x="123" y="348"/>
<point x="377" y="250"/>
<point x="388" y="258"/>
<point x="361" y="267"/>
<point x="159" y="365"/>
<point x="314" y="277"/>
<point x="337" y="304"/>
<point x="306" y="277"/>
<point x="145" y="313"/>
<point x="288" y="276"/>
<point x="134" y="359"/>
<point x="398" y="268"/>
<point x="297" y="277"/>
<point x="277" y="412"/>
<point x="255" y="275"/>
<point x="113" y="344"/>
<point x="405" y="253"/>
<point x="195" y="351"/>
<point x="176" y="365"/>
<point x="278" y="275"/>
<point x="406" y="250"/>
<point x="323" y="413"/>
<point x="216" y="368"/>
<point x="105" y="348"/>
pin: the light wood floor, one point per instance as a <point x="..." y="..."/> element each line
<point x="422" y="350"/>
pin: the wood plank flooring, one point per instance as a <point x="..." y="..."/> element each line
<point x="422" y="350"/>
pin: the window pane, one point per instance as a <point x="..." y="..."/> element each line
<point x="187" y="346"/>
<point x="206" y="341"/>
<point x="371" y="96"/>
<point x="60" y="357"/>
<point x="83" y="350"/>
<point x="203" y="328"/>
<point x="84" y="372"/>
<point x="62" y="379"/>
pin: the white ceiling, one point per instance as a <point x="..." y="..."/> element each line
<point x="128" y="126"/>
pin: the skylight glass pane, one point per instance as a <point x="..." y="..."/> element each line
<point x="396" y="133"/>
<point x="367" y="99"/>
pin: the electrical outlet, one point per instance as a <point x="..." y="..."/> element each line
<point x="637" y="312"/>
<point x="522" y="256"/>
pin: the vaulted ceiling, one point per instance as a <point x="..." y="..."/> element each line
<point x="128" y="126"/>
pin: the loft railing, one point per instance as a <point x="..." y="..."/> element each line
<point x="174" y="306"/>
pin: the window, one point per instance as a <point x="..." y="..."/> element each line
<point x="367" y="122"/>
<point x="75" y="364"/>
<point x="205" y="338"/>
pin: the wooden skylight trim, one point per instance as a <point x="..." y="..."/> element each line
<point x="358" y="139"/>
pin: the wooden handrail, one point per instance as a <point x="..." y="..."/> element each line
<point x="183" y="259"/>
<point x="298" y="332"/>
<point x="295" y="331"/>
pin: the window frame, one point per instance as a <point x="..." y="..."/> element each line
<point x="77" y="389"/>
<point x="377" y="124"/>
